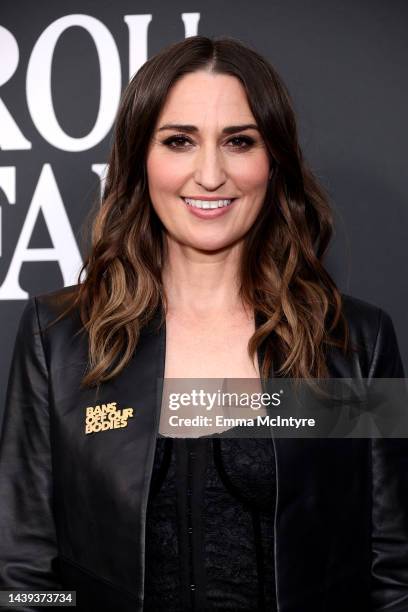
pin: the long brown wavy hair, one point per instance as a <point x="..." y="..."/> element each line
<point x="282" y="276"/>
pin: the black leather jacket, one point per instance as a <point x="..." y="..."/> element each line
<point x="73" y="506"/>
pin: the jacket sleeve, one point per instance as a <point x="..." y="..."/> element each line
<point x="28" y="547"/>
<point x="389" y="457"/>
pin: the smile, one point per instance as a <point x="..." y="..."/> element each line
<point x="208" y="203"/>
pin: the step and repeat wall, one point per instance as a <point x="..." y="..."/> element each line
<point x="63" y="67"/>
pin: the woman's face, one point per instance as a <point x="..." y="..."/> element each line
<point x="201" y="150"/>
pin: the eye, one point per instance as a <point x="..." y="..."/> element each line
<point x="245" y="142"/>
<point x="176" y="142"/>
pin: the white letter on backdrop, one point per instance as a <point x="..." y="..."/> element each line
<point x="190" y="21"/>
<point x="46" y="198"/>
<point x="8" y="186"/>
<point x="11" y="138"/>
<point x="100" y="170"/>
<point x="138" y="26"/>
<point x="39" y="94"/>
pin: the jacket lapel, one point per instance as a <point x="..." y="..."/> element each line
<point x="108" y="470"/>
<point x="320" y="488"/>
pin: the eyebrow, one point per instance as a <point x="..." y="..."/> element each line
<point x="230" y="129"/>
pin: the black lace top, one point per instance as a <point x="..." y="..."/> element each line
<point x="209" y="525"/>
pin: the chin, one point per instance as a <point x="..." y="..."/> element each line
<point x="210" y="245"/>
<point x="208" y="242"/>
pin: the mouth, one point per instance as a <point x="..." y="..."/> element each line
<point x="208" y="204"/>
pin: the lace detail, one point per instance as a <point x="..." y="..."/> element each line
<point x="209" y="527"/>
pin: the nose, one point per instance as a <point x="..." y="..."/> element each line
<point x="209" y="171"/>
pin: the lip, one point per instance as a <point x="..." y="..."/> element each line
<point x="209" y="198"/>
<point x="209" y="213"/>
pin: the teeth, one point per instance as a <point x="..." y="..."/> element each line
<point x="207" y="203"/>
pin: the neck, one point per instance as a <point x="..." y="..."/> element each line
<point x="202" y="283"/>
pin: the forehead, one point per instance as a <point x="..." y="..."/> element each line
<point x="202" y="96"/>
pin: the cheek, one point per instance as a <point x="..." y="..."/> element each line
<point x="163" y="184"/>
<point x="165" y="173"/>
<point x="253" y="176"/>
<point x="160" y="177"/>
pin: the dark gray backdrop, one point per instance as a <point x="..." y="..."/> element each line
<point x="345" y="64"/>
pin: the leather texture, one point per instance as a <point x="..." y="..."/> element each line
<point x="73" y="506"/>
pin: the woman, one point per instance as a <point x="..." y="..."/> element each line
<point x="206" y="261"/>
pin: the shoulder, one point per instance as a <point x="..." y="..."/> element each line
<point x="36" y="344"/>
<point x="61" y="329"/>
<point x="42" y="309"/>
<point x="372" y="334"/>
<point x="53" y="303"/>
<point x="363" y="318"/>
